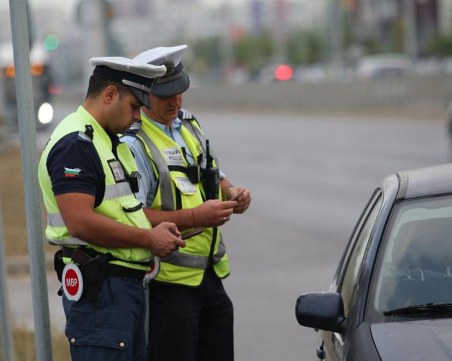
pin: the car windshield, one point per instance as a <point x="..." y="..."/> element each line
<point x="431" y="308"/>
<point x="415" y="264"/>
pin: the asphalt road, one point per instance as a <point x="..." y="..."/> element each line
<point x="310" y="177"/>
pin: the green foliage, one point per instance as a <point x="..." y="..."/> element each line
<point x="441" y="46"/>
<point x="207" y="53"/>
<point x="397" y="36"/>
<point x="305" y="47"/>
<point x="253" y="52"/>
<point x="348" y="30"/>
<point x="370" y="46"/>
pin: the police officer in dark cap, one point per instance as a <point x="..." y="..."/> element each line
<point x="106" y="243"/>
<point x="181" y="182"/>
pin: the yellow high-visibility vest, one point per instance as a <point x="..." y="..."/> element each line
<point x="187" y="265"/>
<point x="119" y="203"/>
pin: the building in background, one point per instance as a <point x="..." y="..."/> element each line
<point x="410" y="26"/>
<point x="347" y="29"/>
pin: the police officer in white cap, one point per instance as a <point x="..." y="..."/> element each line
<point x="88" y="180"/>
<point x="190" y="313"/>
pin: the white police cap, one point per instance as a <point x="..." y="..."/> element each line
<point x="162" y="54"/>
<point x="136" y="75"/>
<point x="175" y="80"/>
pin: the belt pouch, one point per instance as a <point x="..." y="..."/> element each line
<point x="58" y="264"/>
<point x="94" y="273"/>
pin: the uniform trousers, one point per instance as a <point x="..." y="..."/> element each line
<point x="190" y="323"/>
<point x="111" y="328"/>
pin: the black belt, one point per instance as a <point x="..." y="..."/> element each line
<point x="113" y="270"/>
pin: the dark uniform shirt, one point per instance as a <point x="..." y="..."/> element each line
<point x="74" y="166"/>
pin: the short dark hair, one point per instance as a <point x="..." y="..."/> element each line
<point x="97" y="84"/>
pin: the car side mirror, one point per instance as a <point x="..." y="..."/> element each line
<point x="324" y="311"/>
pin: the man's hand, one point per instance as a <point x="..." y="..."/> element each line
<point x="164" y="239"/>
<point x="213" y="213"/>
<point x="242" y="196"/>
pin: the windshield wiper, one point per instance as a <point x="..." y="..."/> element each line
<point x="425" y="308"/>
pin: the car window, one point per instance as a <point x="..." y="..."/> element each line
<point x="415" y="263"/>
<point x="362" y="236"/>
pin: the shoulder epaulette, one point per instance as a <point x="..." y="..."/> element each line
<point x="185" y="115"/>
<point x="134" y="128"/>
<point x="83" y="137"/>
<point x="87" y="135"/>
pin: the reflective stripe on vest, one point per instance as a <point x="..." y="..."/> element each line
<point x="196" y="132"/>
<point x="195" y="261"/>
<point x="54" y="221"/>
<point x="112" y="191"/>
<point x="164" y="174"/>
<point x="118" y="190"/>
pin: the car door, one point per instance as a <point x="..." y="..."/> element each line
<point x="334" y="344"/>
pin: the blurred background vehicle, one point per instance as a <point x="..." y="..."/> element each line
<point x="42" y="84"/>
<point x="393" y="284"/>
<point x="311" y="73"/>
<point x="383" y="66"/>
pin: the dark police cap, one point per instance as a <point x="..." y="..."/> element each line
<point x="136" y="75"/>
<point x="175" y="80"/>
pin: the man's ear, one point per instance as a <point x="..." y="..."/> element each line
<point x="110" y="93"/>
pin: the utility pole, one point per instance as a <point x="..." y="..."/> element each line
<point x="279" y="32"/>
<point x="27" y="135"/>
<point x="226" y="50"/>
<point x="410" y="28"/>
<point x="335" y="16"/>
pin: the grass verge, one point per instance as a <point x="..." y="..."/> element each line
<point x="15" y="239"/>
<point x="24" y="346"/>
<point x="12" y="201"/>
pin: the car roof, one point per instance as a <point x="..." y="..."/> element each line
<point x="422" y="182"/>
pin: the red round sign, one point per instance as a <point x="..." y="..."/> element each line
<point x="72" y="282"/>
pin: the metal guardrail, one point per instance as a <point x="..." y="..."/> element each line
<point x="425" y="95"/>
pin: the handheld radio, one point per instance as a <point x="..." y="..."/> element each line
<point x="211" y="176"/>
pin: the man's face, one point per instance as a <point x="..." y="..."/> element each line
<point x="165" y="110"/>
<point x="124" y="112"/>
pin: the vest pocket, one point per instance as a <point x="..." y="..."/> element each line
<point x="184" y="185"/>
<point x="132" y="207"/>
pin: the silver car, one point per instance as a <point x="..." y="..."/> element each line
<point x="391" y="296"/>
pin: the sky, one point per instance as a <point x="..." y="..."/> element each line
<point x="67" y="4"/>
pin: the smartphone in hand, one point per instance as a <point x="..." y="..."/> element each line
<point x="237" y="196"/>
<point x="191" y="233"/>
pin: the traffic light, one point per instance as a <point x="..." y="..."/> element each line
<point x="51" y="42"/>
